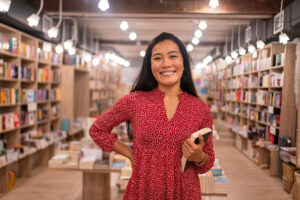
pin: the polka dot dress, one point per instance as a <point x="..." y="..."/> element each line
<point x="157" y="144"/>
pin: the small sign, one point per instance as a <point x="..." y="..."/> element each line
<point x="271" y="109"/>
<point x="273" y="130"/>
<point x="31" y="107"/>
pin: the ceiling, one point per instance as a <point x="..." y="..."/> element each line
<point x="148" y="18"/>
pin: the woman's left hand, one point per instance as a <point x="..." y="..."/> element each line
<point x="193" y="152"/>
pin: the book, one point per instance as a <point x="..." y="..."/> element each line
<point x="205" y="132"/>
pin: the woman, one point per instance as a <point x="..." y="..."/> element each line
<point x="164" y="110"/>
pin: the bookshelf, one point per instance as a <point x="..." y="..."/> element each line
<point x="28" y="74"/>
<point x="255" y="96"/>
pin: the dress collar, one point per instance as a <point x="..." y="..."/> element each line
<point x="160" y="93"/>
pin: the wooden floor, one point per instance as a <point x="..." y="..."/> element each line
<point x="247" y="182"/>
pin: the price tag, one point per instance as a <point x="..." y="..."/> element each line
<point x="273" y="130"/>
<point x="271" y="109"/>
<point x="31" y="107"/>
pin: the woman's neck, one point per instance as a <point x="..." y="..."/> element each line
<point x="171" y="91"/>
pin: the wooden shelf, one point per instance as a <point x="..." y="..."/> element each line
<point x="55" y="101"/>
<point x="3" y="53"/>
<point x="27" y="126"/>
<point x="8" y="105"/>
<point x="8" y="80"/>
<point x="27" y="59"/>
<point x="41" y="62"/>
<point x="43" y="102"/>
<point x="27" y="81"/>
<point x="55" y="83"/>
<point x="43" y="122"/>
<point x="43" y="82"/>
<point x="9" y="130"/>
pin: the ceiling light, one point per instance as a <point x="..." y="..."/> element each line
<point x="242" y="51"/>
<point x="189" y="47"/>
<point x="234" y="54"/>
<point x="251" y="48"/>
<point x="52" y="32"/>
<point x="283" y="38"/>
<point x="95" y="61"/>
<point x="72" y="51"/>
<point x="195" y="41"/>
<point x="213" y="3"/>
<point x="228" y="59"/>
<point x="59" y="48"/>
<point x="202" y="25"/>
<point x="142" y="53"/>
<point x="33" y="19"/>
<point x="200" y="66"/>
<point x="198" y="33"/>
<point x="260" y="44"/>
<point x="68" y="44"/>
<point x="132" y="36"/>
<point x="103" y="5"/>
<point x="124" y="25"/>
<point x="126" y="64"/>
<point x="4" y="5"/>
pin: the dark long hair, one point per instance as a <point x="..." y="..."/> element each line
<point x="145" y="81"/>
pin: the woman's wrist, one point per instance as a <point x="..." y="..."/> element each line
<point x="204" y="158"/>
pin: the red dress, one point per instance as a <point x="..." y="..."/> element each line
<point x="157" y="144"/>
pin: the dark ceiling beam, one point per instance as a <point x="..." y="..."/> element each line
<point x="144" y="42"/>
<point x="249" y="7"/>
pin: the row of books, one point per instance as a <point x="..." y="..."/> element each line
<point x="9" y="96"/>
<point x="28" y="73"/>
<point x="46" y="75"/>
<point x="8" y="70"/>
<point x="9" y="121"/>
<point x="42" y="94"/>
<point x="55" y="94"/>
<point x="44" y="55"/>
<point x="27" y="118"/>
<point x="8" y="43"/>
<point x="28" y="96"/>
<point x="42" y="114"/>
<point x="28" y="51"/>
<point x="55" y="111"/>
<point x="75" y="60"/>
<point x="278" y="59"/>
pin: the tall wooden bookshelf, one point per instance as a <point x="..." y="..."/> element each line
<point x="255" y="95"/>
<point x="27" y="102"/>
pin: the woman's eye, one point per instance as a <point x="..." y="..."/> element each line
<point x="173" y="56"/>
<point x="156" y="58"/>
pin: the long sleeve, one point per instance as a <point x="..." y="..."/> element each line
<point x="100" y="131"/>
<point x="208" y="147"/>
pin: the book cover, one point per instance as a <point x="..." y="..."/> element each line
<point x="205" y="132"/>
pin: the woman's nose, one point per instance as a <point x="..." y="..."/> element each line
<point x="166" y="62"/>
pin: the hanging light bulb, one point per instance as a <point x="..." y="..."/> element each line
<point x="72" y="51"/>
<point x="234" y="54"/>
<point x="251" y="48"/>
<point x="189" y="47"/>
<point x="228" y="59"/>
<point x="68" y="44"/>
<point x="283" y="38"/>
<point x="132" y="36"/>
<point x="59" y="48"/>
<point x="198" y="33"/>
<point x="124" y="25"/>
<point x="260" y="44"/>
<point x="87" y="57"/>
<point x="103" y="5"/>
<point x="126" y="63"/>
<point x="195" y="41"/>
<point x="142" y="53"/>
<point x="213" y="3"/>
<point x="4" y="5"/>
<point x="95" y="61"/>
<point x="200" y="65"/>
<point x="202" y="25"/>
<point x="242" y="51"/>
<point x="33" y="19"/>
<point x="53" y="32"/>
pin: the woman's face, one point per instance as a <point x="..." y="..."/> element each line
<point x="167" y="63"/>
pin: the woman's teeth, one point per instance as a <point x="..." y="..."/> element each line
<point x="167" y="73"/>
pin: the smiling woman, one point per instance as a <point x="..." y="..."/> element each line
<point x="164" y="110"/>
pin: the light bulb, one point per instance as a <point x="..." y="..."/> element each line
<point x="234" y="54"/>
<point x="95" y="61"/>
<point x="124" y="25"/>
<point x="126" y="64"/>
<point x="88" y="58"/>
<point x="198" y="33"/>
<point x="213" y="3"/>
<point x="283" y="38"/>
<point x="72" y="51"/>
<point x="207" y="60"/>
<point x="103" y="5"/>
<point x="53" y="32"/>
<point x="202" y="25"/>
<point x="4" y="5"/>
<point x="142" y="53"/>
<point x="46" y="47"/>
<point x="242" y="51"/>
<point x="260" y="44"/>
<point x="132" y="36"/>
<point x="33" y="20"/>
<point x="251" y="48"/>
<point x="189" y="47"/>
<point x="59" y="48"/>
<point x="68" y="44"/>
<point x="228" y="59"/>
<point x="195" y="41"/>
<point x="200" y="66"/>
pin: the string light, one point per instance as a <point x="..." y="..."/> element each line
<point x="4" y="5"/>
<point x="214" y="3"/>
<point x="124" y="25"/>
<point x="53" y="31"/>
<point x="103" y="5"/>
<point x="33" y="19"/>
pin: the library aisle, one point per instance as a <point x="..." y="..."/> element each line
<point x="246" y="180"/>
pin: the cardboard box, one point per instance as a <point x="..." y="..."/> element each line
<point x="287" y="185"/>
<point x="296" y="191"/>
<point x="288" y="171"/>
<point x="274" y="162"/>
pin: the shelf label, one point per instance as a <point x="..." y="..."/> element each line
<point x="273" y="130"/>
<point x="271" y="109"/>
<point x="31" y="107"/>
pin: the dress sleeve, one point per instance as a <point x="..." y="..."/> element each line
<point x="100" y="130"/>
<point x="208" y="147"/>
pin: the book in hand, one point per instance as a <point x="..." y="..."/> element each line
<point x="205" y="132"/>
